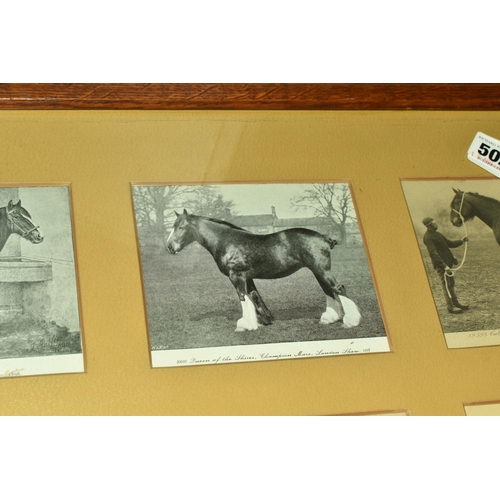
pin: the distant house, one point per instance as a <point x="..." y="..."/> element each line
<point x="353" y="234"/>
<point x="270" y="223"/>
<point x="258" y="224"/>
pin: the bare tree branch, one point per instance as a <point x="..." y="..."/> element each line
<point x="328" y="200"/>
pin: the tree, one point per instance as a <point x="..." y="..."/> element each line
<point x="329" y="200"/>
<point x="154" y="207"/>
<point x="207" y="201"/>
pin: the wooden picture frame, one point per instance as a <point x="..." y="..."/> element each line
<point x="288" y="96"/>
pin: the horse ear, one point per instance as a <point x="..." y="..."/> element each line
<point x="9" y="206"/>
<point x="176" y="214"/>
<point x="457" y="191"/>
<point x="185" y="212"/>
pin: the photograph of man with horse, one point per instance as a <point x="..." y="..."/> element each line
<point x="443" y="260"/>
<point x="312" y="271"/>
<point x="469" y="213"/>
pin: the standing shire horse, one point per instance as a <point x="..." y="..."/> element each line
<point x="470" y="205"/>
<point x="243" y="256"/>
<point x="16" y="219"/>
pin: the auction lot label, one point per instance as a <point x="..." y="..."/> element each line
<point x="485" y="152"/>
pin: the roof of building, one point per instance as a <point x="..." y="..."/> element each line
<point x="304" y="221"/>
<point x="253" y="220"/>
<point x="273" y="221"/>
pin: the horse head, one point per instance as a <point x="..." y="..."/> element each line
<point x="20" y="222"/>
<point x="182" y="234"/>
<point x="461" y="210"/>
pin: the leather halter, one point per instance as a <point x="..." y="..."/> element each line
<point x="459" y="211"/>
<point x="11" y="220"/>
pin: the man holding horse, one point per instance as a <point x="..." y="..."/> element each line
<point x="443" y="260"/>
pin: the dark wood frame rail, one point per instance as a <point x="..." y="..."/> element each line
<point x="291" y="96"/>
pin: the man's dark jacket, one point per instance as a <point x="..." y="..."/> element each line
<point x="439" y="249"/>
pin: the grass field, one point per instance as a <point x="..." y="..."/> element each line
<point x="191" y="304"/>
<point x="476" y="284"/>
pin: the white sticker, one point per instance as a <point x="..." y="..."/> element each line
<point x="485" y="152"/>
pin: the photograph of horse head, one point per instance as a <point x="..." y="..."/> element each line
<point x="457" y="225"/>
<point x="39" y="312"/>
<point x="252" y="264"/>
<point x="15" y="219"/>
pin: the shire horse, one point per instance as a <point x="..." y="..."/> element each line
<point x="243" y="256"/>
<point x="466" y="206"/>
<point x="16" y="219"/>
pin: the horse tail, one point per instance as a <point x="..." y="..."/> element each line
<point x="330" y="241"/>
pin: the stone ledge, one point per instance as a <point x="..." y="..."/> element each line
<point x="19" y="270"/>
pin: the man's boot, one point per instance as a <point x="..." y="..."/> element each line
<point x="451" y="307"/>
<point x="454" y="310"/>
<point x="460" y="306"/>
<point x="455" y="301"/>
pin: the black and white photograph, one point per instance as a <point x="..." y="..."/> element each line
<point x="487" y="409"/>
<point x="457" y="226"/>
<point x="40" y="329"/>
<point x="255" y="272"/>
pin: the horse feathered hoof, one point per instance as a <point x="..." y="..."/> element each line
<point x="264" y="320"/>
<point x="329" y="316"/>
<point x="249" y="319"/>
<point x="352" y="316"/>
<point x="241" y="329"/>
<point x="243" y="325"/>
<point x="325" y="321"/>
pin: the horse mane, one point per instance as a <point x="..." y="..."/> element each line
<point x="223" y="222"/>
<point x="4" y="231"/>
<point x="488" y="198"/>
<point x="497" y="202"/>
<point x="488" y="211"/>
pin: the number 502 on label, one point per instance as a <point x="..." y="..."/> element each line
<point x="485" y="152"/>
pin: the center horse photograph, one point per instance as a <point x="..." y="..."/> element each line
<point x="204" y="247"/>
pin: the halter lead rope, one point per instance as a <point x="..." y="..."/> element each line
<point x="451" y="272"/>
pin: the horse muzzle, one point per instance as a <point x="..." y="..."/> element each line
<point x="173" y="248"/>
<point x="35" y="237"/>
<point x="457" y="222"/>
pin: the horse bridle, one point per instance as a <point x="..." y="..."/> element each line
<point x="13" y="224"/>
<point x="459" y="211"/>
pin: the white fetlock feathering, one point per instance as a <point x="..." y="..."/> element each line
<point x="333" y="311"/>
<point x="352" y="316"/>
<point x="249" y="319"/>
